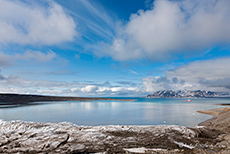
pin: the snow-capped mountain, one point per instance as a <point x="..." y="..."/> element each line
<point x="188" y="94"/>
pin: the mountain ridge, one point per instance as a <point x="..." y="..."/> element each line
<point x="188" y="94"/>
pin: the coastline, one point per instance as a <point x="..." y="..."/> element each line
<point x="22" y="99"/>
<point x="210" y="136"/>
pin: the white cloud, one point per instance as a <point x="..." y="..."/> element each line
<point x="33" y="24"/>
<point x="89" y="89"/>
<point x="152" y="84"/>
<point x="204" y="75"/>
<point x="116" y="91"/>
<point x="172" y="27"/>
<point x="107" y="90"/>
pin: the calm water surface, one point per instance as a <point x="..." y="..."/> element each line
<point x="143" y="111"/>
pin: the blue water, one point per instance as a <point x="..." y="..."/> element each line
<point x="142" y="111"/>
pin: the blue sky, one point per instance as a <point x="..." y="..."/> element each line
<point x="114" y="47"/>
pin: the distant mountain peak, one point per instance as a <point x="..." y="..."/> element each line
<point x="188" y="94"/>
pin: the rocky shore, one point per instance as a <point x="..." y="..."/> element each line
<point x="211" y="136"/>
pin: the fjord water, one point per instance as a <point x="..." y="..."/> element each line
<point x="141" y="111"/>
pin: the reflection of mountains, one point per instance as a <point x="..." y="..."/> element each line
<point x="188" y="94"/>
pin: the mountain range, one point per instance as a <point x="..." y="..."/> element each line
<point x="188" y="94"/>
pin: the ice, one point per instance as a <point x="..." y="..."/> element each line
<point x="143" y="150"/>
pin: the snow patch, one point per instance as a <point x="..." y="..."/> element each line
<point x="142" y="150"/>
<point x="184" y="145"/>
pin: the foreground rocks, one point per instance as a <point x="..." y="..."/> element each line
<point x="30" y="137"/>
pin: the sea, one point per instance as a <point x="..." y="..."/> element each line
<point x="141" y="111"/>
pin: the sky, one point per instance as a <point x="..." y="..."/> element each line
<point x="114" y="47"/>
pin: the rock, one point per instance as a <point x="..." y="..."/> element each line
<point x="30" y="137"/>
<point x="76" y="148"/>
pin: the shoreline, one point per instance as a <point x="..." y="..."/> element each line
<point x="215" y="112"/>
<point x="22" y="99"/>
<point x="211" y="136"/>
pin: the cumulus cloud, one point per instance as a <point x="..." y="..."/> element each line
<point x="89" y="89"/>
<point x="153" y="84"/>
<point x="172" y="27"/>
<point x="205" y="75"/>
<point x="33" y="24"/>
<point x="118" y="90"/>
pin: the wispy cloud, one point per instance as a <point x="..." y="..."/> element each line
<point x="98" y="12"/>
<point x="62" y="72"/>
<point x="127" y="83"/>
<point x="133" y="72"/>
<point x="95" y="23"/>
